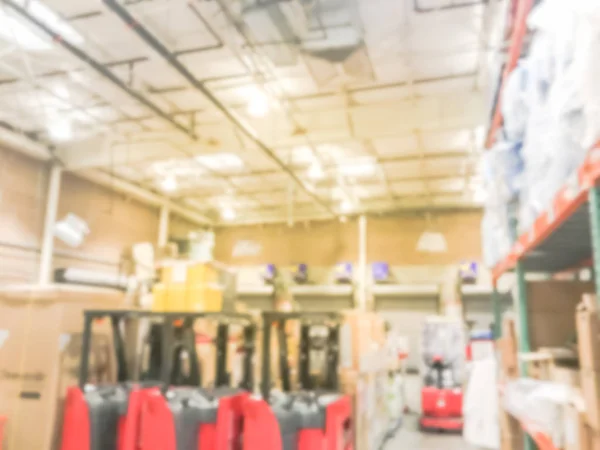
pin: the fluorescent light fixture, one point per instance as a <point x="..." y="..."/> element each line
<point x="19" y="34"/>
<point x="13" y="30"/>
<point x="258" y="105"/>
<point x="218" y="161"/>
<point x="228" y="213"/>
<point x="55" y="22"/>
<point x="346" y="206"/>
<point x="61" y="130"/>
<point x="432" y="242"/>
<point x="169" y="184"/>
<point x="315" y="172"/>
<point x="61" y="91"/>
<point x="359" y="169"/>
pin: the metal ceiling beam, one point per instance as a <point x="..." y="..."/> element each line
<point x="260" y="219"/>
<point x="96" y="65"/>
<point x="158" y="46"/>
<point x="118" y="184"/>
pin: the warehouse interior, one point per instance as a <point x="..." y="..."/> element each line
<point x="392" y="200"/>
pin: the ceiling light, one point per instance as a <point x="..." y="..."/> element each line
<point x="61" y="130"/>
<point x="346" y="206"/>
<point x="432" y="242"/>
<point x="169" y="184"/>
<point x="14" y="31"/>
<point x="55" y="22"/>
<point x="258" y="105"/>
<point x="315" y="172"/>
<point x="228" y="213"/>
<point x="61" y="91"/>
<point x="218" y="161"/>
<point x="358" y="169"/>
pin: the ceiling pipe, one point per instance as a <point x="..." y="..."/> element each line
<point x="100" y="68"/>
<point x="153" y="42"/>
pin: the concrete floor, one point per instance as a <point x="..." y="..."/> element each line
<point x="410" y="438"/>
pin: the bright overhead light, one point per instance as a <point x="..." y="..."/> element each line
<point x="13" y="30"/>
<point x="61" y="91"/>
<point x="346" y="206"/>
<point x="169" y="184"/>
<point x="258" y="105"/>
<point x="55" y="22"/>
<point x="60" y="130"/>
<point x="19" y="34"/>
<point x="228" y="213"/>
<point x="221" y="161"/>
<point x="358" y="169"/>
<point x="315" y="172"/>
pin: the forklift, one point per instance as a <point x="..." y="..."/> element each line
<point x="312" y="414"/>
<point x="163" y="405"/>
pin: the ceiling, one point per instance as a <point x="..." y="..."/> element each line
<point x="258" y="110"/>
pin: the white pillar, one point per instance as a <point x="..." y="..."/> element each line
<point x="362" y="263"/>
<point x="45" y="276"/>
<point x="163" y="226"/>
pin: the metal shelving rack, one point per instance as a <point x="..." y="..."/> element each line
<point x="565" y="237"/>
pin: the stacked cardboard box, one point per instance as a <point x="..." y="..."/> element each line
<point x="188" y="286"/>
<point x="588" y="333"/>
<point x="507" y="347"/>
<point x="40" y="347"/>
<point x="511" y="432"/>
<point x="364" y="375"/>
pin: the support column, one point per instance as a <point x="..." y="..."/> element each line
<point x="594" y="206"/>
<point x="163" y="225"/>
<point x="524" y="345"/>
<point x="497" y="307"/>
<point x="361" y="298"/>
<point x="45" y="275"/>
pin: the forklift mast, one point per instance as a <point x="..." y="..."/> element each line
<point x="170" y="335"/>
<point x="307" y="320"/>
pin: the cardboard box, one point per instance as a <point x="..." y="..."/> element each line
<point x="588" y="333"/>
<point x="551" y="306"/>
<point x="511" y="443"/>
<point x="507" y="347"/>
<point x="590" y="388"/>
<point x="40" y="346"/>
<point x="509" y="426"/>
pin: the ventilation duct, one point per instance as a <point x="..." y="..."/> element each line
<point x="326" y="31"/>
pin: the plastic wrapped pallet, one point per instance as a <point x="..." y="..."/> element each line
<point x="515" y="104"/>
<point x="540" y="404"/>
<point x="480" y="406"/>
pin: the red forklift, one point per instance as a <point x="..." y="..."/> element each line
<point x="312" y="414"/>
<point x="162" y="406"/>
<point x="443" y="350"/>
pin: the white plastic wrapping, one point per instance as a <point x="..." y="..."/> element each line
<point x="515" y="103"/>
<point x="480" y="406"/>
<point x="539" y="404"/>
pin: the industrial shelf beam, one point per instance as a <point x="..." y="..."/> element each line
<point x="594" y="200"/>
